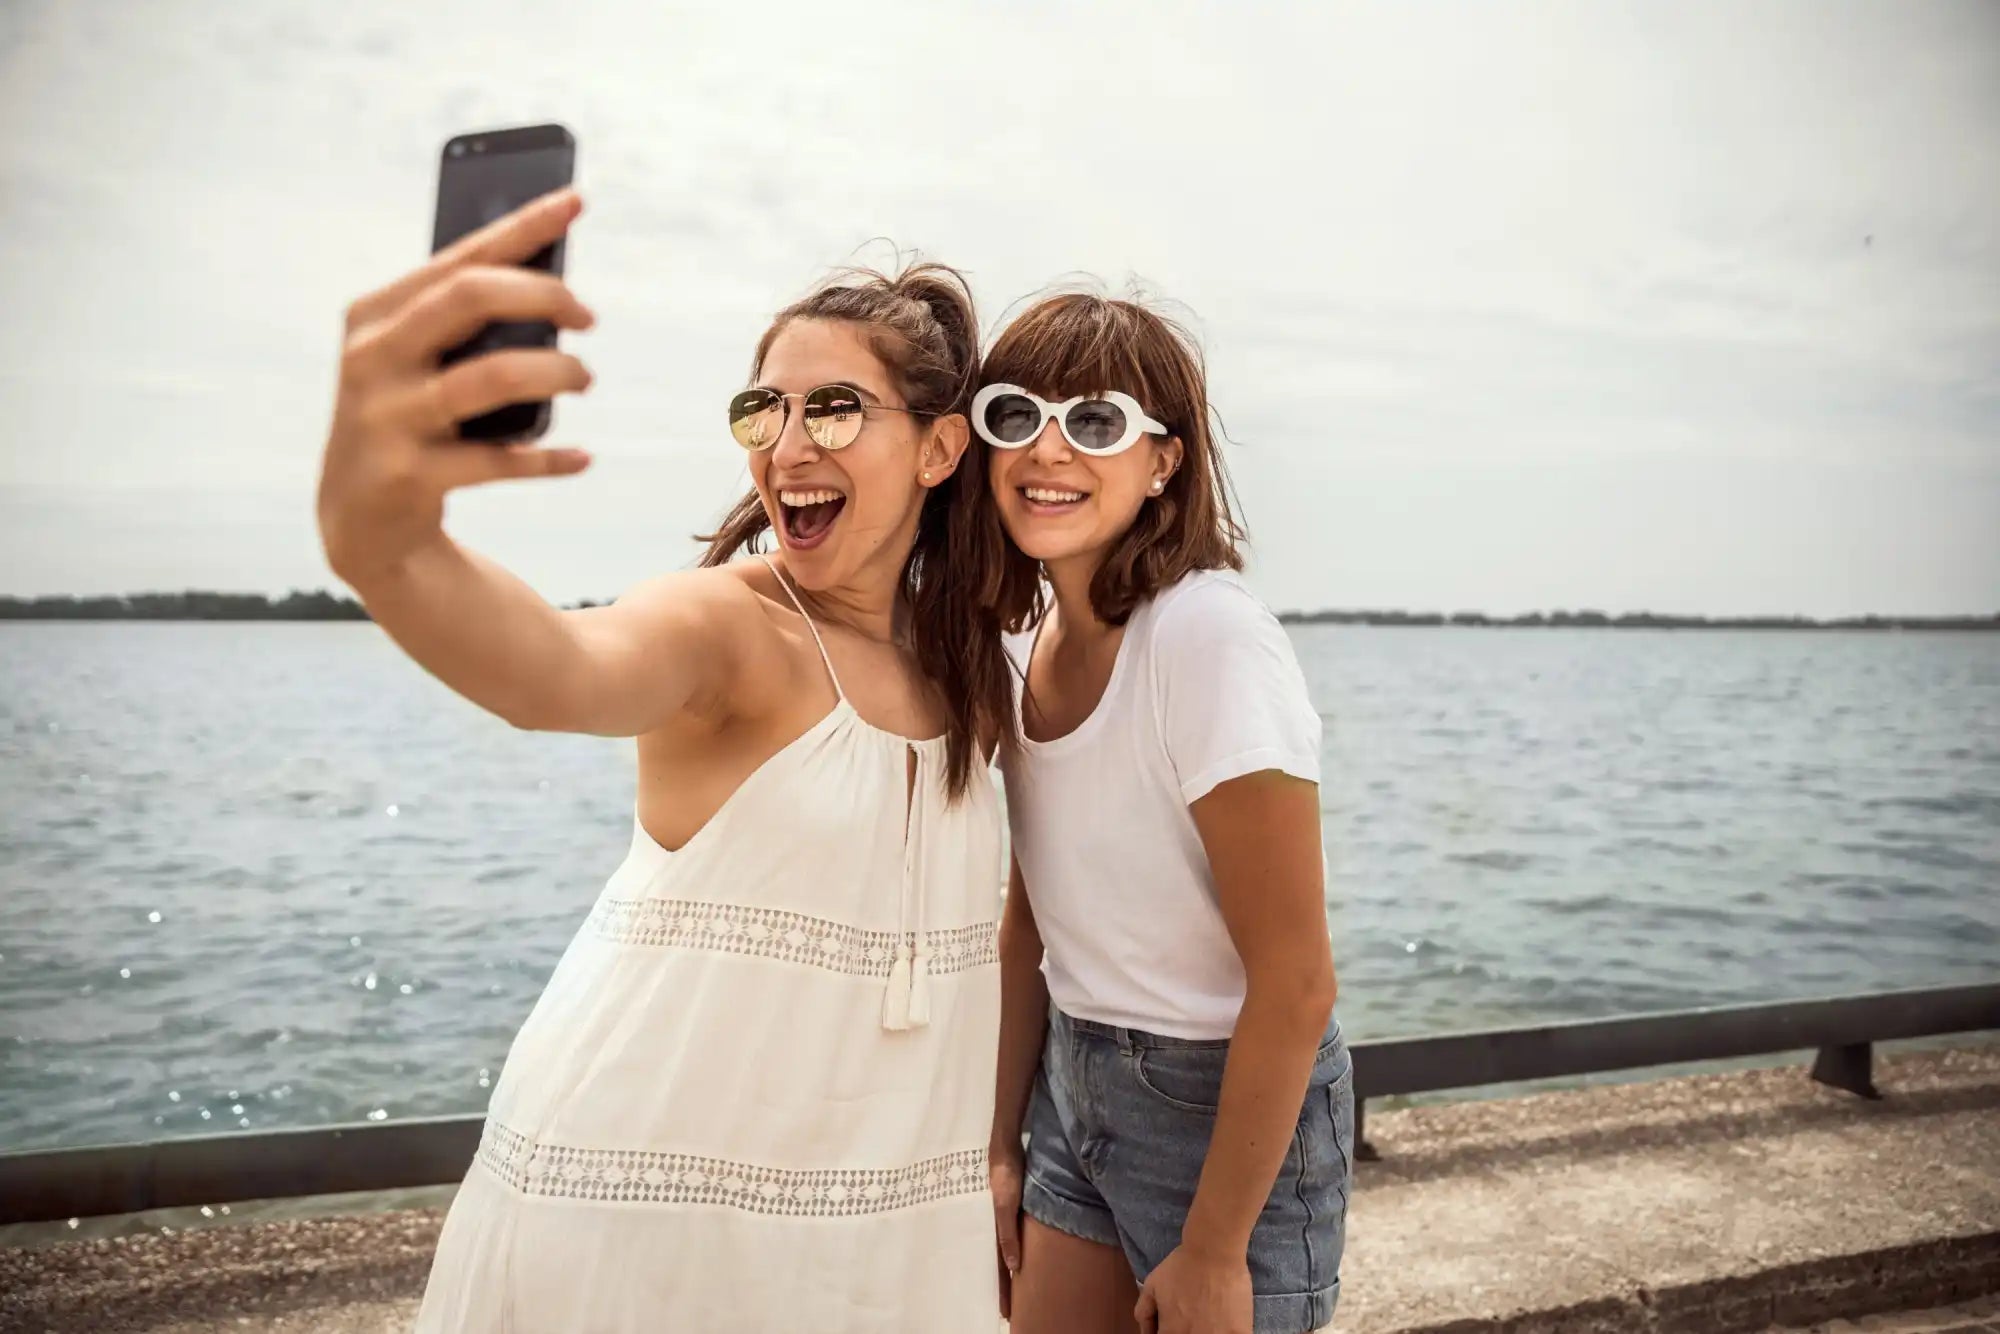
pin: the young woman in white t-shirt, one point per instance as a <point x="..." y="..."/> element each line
<point x="1167" y="1041"/>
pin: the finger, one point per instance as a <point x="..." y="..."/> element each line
<point x="453" y="309"/>
<point x="495" y="379"/>
<point x="1147" y="1311"/>
<point x="1008" y="1223"/>
<point x="511" y="240"/>
<point x="475" y="465"/>
<point x="1006" y="1294"/>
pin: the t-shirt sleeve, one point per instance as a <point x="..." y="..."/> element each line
<point x="1231" y="698"/>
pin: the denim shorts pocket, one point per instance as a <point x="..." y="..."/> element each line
<point x="1333" y="1062"/>
<point x="1332" y="1107"/>
<point x="1188" y="1078"/>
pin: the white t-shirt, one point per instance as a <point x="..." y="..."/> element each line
<point x="1205" y="689"/>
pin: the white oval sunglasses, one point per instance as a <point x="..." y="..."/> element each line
<point x="1009" y="417"/>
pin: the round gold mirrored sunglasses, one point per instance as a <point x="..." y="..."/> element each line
<point x="832" y="414"/>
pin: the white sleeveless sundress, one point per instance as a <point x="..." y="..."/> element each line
<point x="757" y="1092"/>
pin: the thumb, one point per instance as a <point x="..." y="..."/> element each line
<point x="474" y="465"/>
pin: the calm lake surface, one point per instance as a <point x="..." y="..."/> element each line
<point x="268" y="875"/>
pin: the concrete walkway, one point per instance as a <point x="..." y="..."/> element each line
<point x="1721" y="1202"/>
<point x="1734" y="1202"/>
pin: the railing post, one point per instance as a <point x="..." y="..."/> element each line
<point x="1850" y="1067"/>
<point x="1364" y="1152"/>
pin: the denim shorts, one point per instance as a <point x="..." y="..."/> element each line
<point x="1117" y="1132"/>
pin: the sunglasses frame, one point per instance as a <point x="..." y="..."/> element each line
<point x="1137" y="421"/>
<point x="784" y="401"/>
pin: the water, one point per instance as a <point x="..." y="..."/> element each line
<point x="271" y="875"/>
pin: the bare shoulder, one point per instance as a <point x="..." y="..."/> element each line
<point x="712" y="607"/>
<point x="707" y="629"/>
<point x="719" y="596"/>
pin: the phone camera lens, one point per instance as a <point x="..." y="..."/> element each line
<point x="458" y="150"/>
<point x="479" y="145"/>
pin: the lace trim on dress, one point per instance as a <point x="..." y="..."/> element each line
<point x="792" y="937"/>
<point x="633" y="1176"/>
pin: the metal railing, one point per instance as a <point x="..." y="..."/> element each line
<point x="1842" y="1031"/>
<point x="40" y="1186"/>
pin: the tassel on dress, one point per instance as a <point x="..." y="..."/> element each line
<point x="896" y="1000"/>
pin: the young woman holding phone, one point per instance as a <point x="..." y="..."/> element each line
<point x="757" y="1092"/>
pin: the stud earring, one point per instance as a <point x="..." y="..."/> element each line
<point x="1159" y="485"/>
<point x="927" y="476"/>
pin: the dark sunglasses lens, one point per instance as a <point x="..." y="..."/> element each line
<point x="1013" y="419"/>
<point x="833" y="416"/>
<point x="756" y="417"/>
<point x="1096" y="424"/>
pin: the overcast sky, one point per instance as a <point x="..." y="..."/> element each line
<point x="1506" y="307"/>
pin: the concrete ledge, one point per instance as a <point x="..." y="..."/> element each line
<point x="1901" y="1279"/>
<point x="1703" y="1205"/>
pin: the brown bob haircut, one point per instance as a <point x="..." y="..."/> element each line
<point x="1082" y="343"/>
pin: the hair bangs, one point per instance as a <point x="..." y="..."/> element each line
<point x="1074" y="346"/>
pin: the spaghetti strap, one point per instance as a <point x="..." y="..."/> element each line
<point x="824" y="657"/>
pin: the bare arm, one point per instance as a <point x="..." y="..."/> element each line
<point x="1024" y="1011"/>
<point x="1024" y="1017"/>
<point x="392" y="455"/>
<point x="1261" y="833"/>
<point x="675" y="642"/>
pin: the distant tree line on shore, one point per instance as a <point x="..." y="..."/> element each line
<point x="296" y="605"/>
<point x="320" y="605"/>
<point x="1639" y="620"/>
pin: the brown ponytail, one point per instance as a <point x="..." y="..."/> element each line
<point x="921" y="324"/>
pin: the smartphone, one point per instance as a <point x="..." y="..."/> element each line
<point x="482" y="177"/>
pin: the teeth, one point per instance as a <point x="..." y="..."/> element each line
<point x="799" y="498"/>
<point x="1048" y="497"/>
